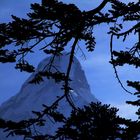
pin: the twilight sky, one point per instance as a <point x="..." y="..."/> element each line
<point x="99" y="72"/>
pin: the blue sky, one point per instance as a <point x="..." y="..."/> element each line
<point x="99" y="72"/>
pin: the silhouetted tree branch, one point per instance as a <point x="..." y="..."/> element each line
<point x="59" y="24"/>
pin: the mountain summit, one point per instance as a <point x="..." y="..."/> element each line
<point x="32" y="96"/>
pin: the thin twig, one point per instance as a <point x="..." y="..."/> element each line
<point x="114" y="67"/>
<point x="128" y="31"/>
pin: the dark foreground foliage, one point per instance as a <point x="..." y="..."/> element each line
<point x="96" y="121"/>
<point x="60" y="25"/>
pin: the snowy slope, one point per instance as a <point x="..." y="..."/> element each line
<point x="31" y="96"/>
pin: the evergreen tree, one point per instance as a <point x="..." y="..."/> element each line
<point x="60" y="24"/>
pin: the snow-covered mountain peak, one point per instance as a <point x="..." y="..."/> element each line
<point x="32" y="96"/>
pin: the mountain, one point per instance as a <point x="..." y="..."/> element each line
<point x="32" y="96"/>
